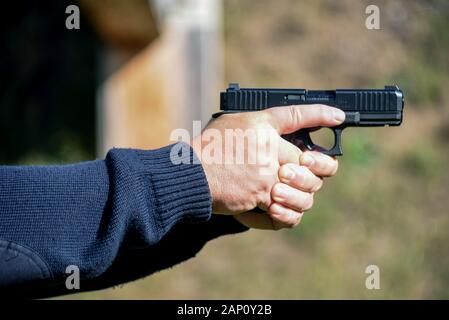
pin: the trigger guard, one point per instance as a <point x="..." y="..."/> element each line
<point x="304" y="136"/>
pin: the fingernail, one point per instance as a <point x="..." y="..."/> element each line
<point x="339" y="115"/>
<point x="288" y="173"/>
<point x="307" y="160"/>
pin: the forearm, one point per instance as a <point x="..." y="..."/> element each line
<point x="88" y="214"/>
<point x="133" y="262"/>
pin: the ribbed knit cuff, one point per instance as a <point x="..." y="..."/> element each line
<point x="180" y="188"/>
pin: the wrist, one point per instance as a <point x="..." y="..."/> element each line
<point x="210" y="171"/>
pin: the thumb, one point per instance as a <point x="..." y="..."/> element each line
<point x="292" y="118"/>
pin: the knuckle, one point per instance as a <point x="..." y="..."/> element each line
<point x="284" y="218"/>
<point x="276" y="190"/>
<point x="266" y="200"/>
<point x="301" y="173"/>
<point x="301" y="179"/>
<point x="290" y="166"/>
<point x="263" y="197"/>
<point x="320" y="159"/>
<point x="265" y="187"/>
<point x="296" y="115"/>
<point x="325" y="115"/>
<point x="322" y="112"/>
<point x="284" y="169"/>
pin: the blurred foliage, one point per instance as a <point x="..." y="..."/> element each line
<point x="424" y="78"/>
<point x="423" y="165"/>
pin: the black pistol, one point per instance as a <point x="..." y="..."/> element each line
<point x="363" y="107"/>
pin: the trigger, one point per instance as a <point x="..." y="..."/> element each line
<point x="336" y="149"/>
<point x="305" y="140"/>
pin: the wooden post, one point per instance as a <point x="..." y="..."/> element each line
<point x="176" y="79"/>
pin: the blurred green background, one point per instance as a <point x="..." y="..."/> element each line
<point x="389" y="203"/>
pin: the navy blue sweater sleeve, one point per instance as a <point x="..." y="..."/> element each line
<point x="134" y="204"/>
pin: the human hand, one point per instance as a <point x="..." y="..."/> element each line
<point x="282" y="183"/>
